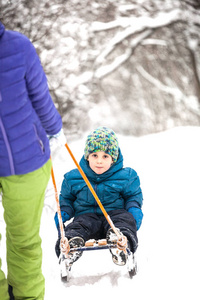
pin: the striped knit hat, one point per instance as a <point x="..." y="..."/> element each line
<point x="102" y="139"/>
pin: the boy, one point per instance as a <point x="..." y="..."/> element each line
<point x="118" y="189"/>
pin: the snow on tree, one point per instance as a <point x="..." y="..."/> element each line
<point x="133" y="61"/>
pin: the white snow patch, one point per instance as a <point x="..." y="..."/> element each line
<point x="168" y="255"/>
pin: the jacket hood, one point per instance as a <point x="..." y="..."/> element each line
<point x="2" y="29"/>
<point x="97" y="178"/>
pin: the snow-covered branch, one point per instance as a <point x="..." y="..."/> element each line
<point x="157" y="42"/>
<point x="193" y="50"/>
<point x="176" y="93"/>
<point x="105" y="70"/>
<point x="138" y="23"/>
<point x="133" y="26"/>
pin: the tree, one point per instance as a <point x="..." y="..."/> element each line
<point x="130" y="65"/>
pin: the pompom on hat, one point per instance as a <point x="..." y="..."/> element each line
<point x="102" y="139"/>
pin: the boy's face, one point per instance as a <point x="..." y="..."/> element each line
<point x="99" y="162"/>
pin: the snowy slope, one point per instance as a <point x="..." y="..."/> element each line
<point x="168" y="257"/>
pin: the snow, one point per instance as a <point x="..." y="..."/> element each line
<point x="168" y="254"/>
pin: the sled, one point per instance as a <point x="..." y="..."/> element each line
<point x="92" y="245"/>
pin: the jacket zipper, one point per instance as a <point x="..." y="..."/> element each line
<point x="38" y="138"/>
<point x="7" y="147"/>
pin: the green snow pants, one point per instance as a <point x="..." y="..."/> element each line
<point x="23" y="200"/>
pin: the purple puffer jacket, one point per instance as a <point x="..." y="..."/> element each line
<point x="27" y="112"/>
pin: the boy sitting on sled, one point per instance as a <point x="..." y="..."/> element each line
<point x="118" y="189"/>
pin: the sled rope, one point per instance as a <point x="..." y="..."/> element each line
<point x="64" y="244"/>
<point x="122" y="239"/>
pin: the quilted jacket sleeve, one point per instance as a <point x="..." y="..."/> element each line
<point x="38" y="92"/>
<point x="132" y="192"/>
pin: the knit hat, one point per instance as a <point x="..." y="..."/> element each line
<point x="102" y="139"/>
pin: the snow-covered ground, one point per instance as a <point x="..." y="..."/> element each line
<point x="168" y="255"/>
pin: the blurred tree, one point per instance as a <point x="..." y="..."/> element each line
<point x="130" y="65"/>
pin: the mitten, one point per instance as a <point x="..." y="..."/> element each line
<point x="137" y="214"/>
<point x="56" y="142"/>
<point x="65" y="217"/>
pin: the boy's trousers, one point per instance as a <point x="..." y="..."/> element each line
<point x="91" y="226"/>
<point x="23" y="200"/>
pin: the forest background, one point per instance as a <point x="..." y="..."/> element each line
<point x="131" y="65"/>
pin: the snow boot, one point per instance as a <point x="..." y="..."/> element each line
<point x="10" y="291"/>
<point x="131" y="264"/>
<point x="119" y="257"/>
<point x="74" y="243"/>
<point x="73" y="255"/>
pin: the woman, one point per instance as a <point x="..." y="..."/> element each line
<point x="27" y="116"/>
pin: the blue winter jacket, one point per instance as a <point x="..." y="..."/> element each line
<point x="27" y="112"/>
<point x="117" y="188"/>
